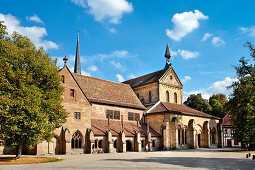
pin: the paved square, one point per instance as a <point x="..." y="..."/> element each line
<point x="183" y="159"/>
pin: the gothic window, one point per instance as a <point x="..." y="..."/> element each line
<point x="150" y="96"/>
<point x="116" y="115"/>
<point x="153" y="143"/>
<point x="130" y="116"/>
<point x="77" y="115"/>
<point x="62" y="78"/>
<point x="175" y="97"/>
<point x="167" y="96"/>
<point x="76" y="142"/>
<point x="72" y="93"/>
<point x="179" y="136"/>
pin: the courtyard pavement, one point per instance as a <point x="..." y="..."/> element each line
<point x="182" y="159"/>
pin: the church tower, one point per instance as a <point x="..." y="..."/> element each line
<point x="167" y="56"/>
<point x="77" y="65"/>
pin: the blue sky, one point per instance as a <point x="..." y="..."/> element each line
<point x="123" y="39"/>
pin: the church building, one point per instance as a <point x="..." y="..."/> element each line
<point x="144" y="112"/>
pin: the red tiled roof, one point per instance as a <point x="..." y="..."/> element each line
<point x="226" y="120"/>
<point x="100" y="127"/>
<point x="145" y="79"/>
<point x="108" y="92"/>
<point x="178" y="109"/>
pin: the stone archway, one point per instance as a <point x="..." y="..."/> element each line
<point x="128" y="145"/>
<point x="190" y="134"/>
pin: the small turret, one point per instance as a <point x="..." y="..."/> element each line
<point x="167" y="56"/>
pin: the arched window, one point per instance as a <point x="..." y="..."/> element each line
<point x="100" y="144"/>
<point x="153" y="143"/>
<point x="142" y="143"/>
<point x="115" y="144"/>
<point x="213" y="136"/>
<point x="137" y="95"/>
<point x="179" y="136"/>
<point x="175" y="97"/>
<point x="150" y="96"/>
<point x="76" y="140"/>
<point x="167" y="96"/>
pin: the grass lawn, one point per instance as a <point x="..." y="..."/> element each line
<point x="26" y="160"/>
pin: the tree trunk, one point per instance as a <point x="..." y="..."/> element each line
<point x="18" y="151"/>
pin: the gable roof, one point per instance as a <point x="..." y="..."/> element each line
<point x="227" y="120"/>
<point x="163" y="107"/>
<point x="108" y="92"/>
<point x="100" y="127"/>
<point x="145" y="79"/>
<point x="150" y="78"/>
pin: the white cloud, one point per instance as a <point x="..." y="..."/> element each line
<point x="131" y="76"/>
<point x="112" y="30"/>
<point x="80" y="3"/>
<point x="120" y="78"/>
<point x="118" y="65"/>
<point x="36" y="34"/>
<point x="188" y="54"/>
<point x="34" y="18"/>
<point x="217" y="41"/>
<point x="186" y="78"/>
<point x="92" y="68"/>
<point x="215" y="88"/>
<point x="249" y="30"/>
<point x="184" y="23"/>
<point x="85" y="73"/>
<point x="206" y="36"/>
<point x="110" y="10"/>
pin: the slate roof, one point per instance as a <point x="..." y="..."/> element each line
<point x="163" y="107"/>
<point x="227" y="120"/>
<point x="108" y="92"/>
<point x="100" y="127"/>
<point x="145" y="79"/>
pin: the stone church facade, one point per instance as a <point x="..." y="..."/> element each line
<point x="106" y="116"/>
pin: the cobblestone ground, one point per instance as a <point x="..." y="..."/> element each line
<point x="185" y="159"/>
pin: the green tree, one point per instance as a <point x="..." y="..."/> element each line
<point x="30" y="92"/>
<point x="242" y="101"/>
<point x="196" y="101"/>
<point x="218" y="103"/>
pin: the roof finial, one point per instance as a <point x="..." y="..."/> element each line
<point x="65" y="60"/>
<point x="167" y="56"/>
<point x="77" y="64"/>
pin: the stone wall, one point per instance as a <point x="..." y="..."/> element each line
<point x="143" y="92"/>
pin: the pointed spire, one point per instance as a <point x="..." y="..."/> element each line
<point x="77" y="65"/>
<point x="167" y="56"/>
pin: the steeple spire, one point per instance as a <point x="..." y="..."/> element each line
<point x="167" y="56"/>
<point x="77" y="65"/>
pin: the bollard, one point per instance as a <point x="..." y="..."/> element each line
<point x="253" y="157"/>
<point x="247" y="155"/>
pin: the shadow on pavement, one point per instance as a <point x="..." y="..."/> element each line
<point x="198" y="162"/>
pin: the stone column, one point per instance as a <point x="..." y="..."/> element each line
<point x="66" y="142"/>
<point x="138" y="142"/>
<point x="219" y="135"/>
<point x="149" y="142"/>
<point x="122" y="142"/>
<point x="166" y="135"/>
<point x="174" y="133"/>
<point x="110" y="142"/>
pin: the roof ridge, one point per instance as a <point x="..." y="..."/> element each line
<point x="100" y="79"/>
<point x="143" y="75"/>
